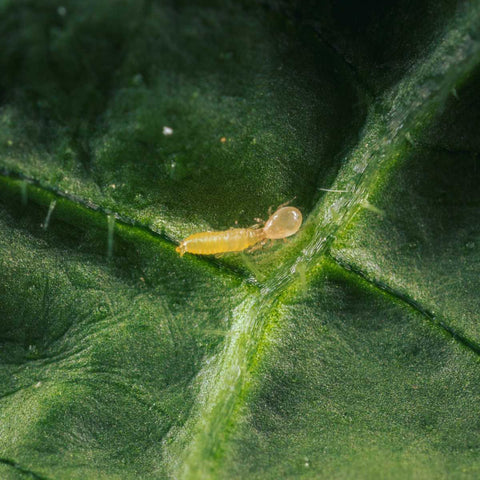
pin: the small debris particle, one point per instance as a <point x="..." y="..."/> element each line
<point x="167" y="130"/>
<point x="223" y="139"/>
<point x="62" y="11"/>
<point x="38" y="385"/>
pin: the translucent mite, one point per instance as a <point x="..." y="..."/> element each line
<point x="286" y="221"/>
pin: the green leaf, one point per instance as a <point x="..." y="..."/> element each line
<point x="351" y="351"/>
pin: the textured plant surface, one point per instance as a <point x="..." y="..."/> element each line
<point x="351" y="351"/>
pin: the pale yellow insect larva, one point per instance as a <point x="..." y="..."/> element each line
<point x="284" y="222"/>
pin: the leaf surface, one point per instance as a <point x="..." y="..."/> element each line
<point x="351" y="351"/>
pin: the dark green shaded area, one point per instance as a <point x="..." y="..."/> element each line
<point x="356" y="385"/>
<point x="379" y="41"/>
<point x="97" y="356"/>
<point x="424" y="240"/>
<point x="258" y="114"/>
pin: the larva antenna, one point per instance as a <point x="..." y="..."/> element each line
<point x="270" y="209"/>
<point x="287" y="203"/>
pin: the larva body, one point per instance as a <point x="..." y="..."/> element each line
<point x="209" y="243"/>
<point x="284" y="222"/>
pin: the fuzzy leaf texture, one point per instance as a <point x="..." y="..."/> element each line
<point x="351" y="351"/>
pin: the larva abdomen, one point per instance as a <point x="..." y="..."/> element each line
<point x="209" y="243"/>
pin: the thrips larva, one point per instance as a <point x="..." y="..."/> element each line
<point x="286" y="221"/>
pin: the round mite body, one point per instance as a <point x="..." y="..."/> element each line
<point x="286" y="221"/>
<point x="283" y="223"/>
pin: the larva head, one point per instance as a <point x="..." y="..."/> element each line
<point x="284" y="222"/>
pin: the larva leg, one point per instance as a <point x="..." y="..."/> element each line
<point x="268" y="243"/>
<point x="257" y="246"/>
